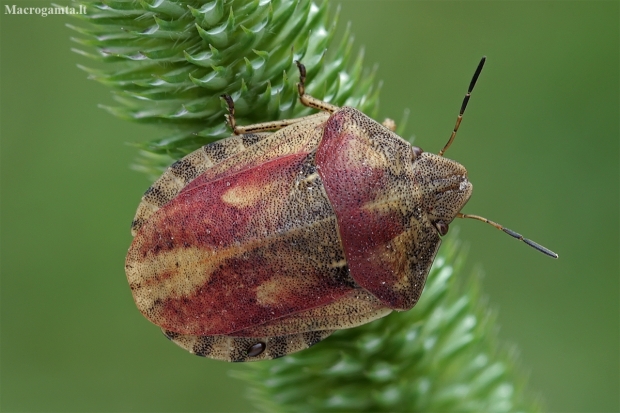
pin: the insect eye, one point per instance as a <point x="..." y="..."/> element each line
<point x="256" y="349"/>
<point x="417" y="151"/>
<point x="442" y="227"/>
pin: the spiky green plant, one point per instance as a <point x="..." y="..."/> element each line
<point x="171" y="60"/>
<point x="168" y="61"/>
<point x="442" y="356"/>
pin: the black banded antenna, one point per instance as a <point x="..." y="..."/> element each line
<point x="464" y="105"/>
<point x="513" y="234"/>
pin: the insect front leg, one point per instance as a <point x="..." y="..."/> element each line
<point x="390" y="124"/>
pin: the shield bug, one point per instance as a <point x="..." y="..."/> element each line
<point x="264" y="243"/>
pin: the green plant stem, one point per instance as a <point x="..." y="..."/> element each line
<point x="167" y="62"/>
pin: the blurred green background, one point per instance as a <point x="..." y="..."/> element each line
<point x="540" y="140"/>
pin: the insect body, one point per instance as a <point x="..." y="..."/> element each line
<point x="263" y="244"/>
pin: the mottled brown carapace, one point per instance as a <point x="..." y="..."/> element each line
<point x="263" y="244"/>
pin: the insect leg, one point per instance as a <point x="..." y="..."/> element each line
<point x="258" y="127"/>
<point x="390" y="124"/>
<point x="308" y="100"/>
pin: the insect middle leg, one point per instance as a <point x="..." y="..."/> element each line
<point x="259" y="127"/>
<point x="304" y="98"/>
<point x="308" y="100"/>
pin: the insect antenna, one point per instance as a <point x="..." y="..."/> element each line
<point x="464" y="105"/>
<point x="513" y="234"/>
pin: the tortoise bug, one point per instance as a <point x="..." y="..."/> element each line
<point x="263" y="244"/>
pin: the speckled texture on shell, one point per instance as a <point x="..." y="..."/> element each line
<point x="386" y="199"/>
<point x="237" y="349"/>
<point x="261" y="245"/>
